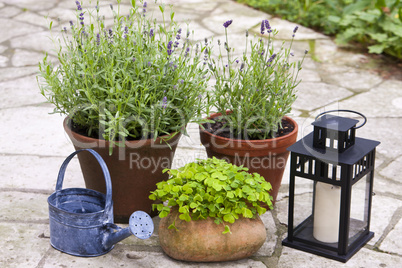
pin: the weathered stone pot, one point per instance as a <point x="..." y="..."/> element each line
<point x="266" y="157"/>
<point x="134" y="169"/>
<point x="203" y="241"/>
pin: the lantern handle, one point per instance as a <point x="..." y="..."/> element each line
<point x="347" y="111"/>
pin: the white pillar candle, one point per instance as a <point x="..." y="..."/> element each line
<point x="326" y="212"/>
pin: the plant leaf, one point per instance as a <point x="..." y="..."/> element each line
<point x="227" y="230"/>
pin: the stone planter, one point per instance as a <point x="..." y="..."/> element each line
<point x="203" y="241"/>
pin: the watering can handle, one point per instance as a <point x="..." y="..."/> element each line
<point x="105" y="170"/>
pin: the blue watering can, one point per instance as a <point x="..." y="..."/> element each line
<point x="81" y="220"/>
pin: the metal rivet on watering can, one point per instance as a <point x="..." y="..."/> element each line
<point x="81" y="220"/>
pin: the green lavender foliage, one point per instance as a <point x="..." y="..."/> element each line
<point x="136" y="79"/>
<point x="212" y="188"/>
<point x="258" y="88"/>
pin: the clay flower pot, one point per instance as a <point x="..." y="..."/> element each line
<point x="134" y="169"/>
<point x="203" y="241"/>
<point x="267" y="157"/>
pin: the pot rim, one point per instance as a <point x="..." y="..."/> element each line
<point x="240" y="141"/>
<point x="159" y="141"/>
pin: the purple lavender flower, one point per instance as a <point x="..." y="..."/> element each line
<point x="292" y="54"/>
<point x="181" y="81"/>
<point x="151" y="33"/>
<point x="133" y="59"/>
<point x="263" y="27"/>
<point x="267" y="26"/>
<point x="125" y="32"/>
<point x="149" y="63"/>
<point x="169" y="48"/>
<point x="306" y="51"/>
<point x="237" y="61"/>
<point x="227" y="23"/>
<point x="98" y="39"/>
<point x="242" y="66"/>
<point x="144" y="10"/>
<point x="110" y="33"/>
<point x="187" y="51"/>
<point x="65" y="29"/>
<point x="295" y="30"/>
<point x="176" y="43"/>
<point x="78" y="5"/>
<point x="81" y="17"/>
<point x="71" y="23"/>
<point x="205" y="56"/>
<point x="272" y="57"/>
<point x="226" y="46"/>
<point x="164" y="102"/>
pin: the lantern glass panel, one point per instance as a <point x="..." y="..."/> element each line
<point x="303" y="200"/>
<point x="359" y="213"/>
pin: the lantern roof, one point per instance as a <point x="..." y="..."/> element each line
<point x="350" y="156"/>
<point x="334" y="122"/>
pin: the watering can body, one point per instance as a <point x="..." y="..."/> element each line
<point x="81" y="220"/>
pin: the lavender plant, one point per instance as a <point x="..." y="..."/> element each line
<point x="255" y="91"/>
<point x="137" y="79"/>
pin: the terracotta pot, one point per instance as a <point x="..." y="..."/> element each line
<point x="203" y="241"/>
<point x="135" y="169"/>
<point x="267" y="157"/>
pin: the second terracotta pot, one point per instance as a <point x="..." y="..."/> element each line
<point x="267" y="157"/>
<point x="134" y="169"/>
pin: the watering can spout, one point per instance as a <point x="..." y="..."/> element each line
<point x="140" y="225"/>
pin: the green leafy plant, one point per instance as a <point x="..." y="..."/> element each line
<point x="257" y="89"/>
<point x="212" y="188"/>
<point x="137" y="79"/>
<point x="376" y="24"/>
<point x="309" y="13"/>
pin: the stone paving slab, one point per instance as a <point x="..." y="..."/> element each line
<point x="121" y="257"/>
<point x="363" y="258"/>
<point x="392" y="242"/>
<point x="370" y="105"/>
<point x="21" y="244"/>
<point x="47" y="136"/>
<point x="20" y="92"/>
<point x="25" y="172"/>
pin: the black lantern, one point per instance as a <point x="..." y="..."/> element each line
<point x="331" y="184"/>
